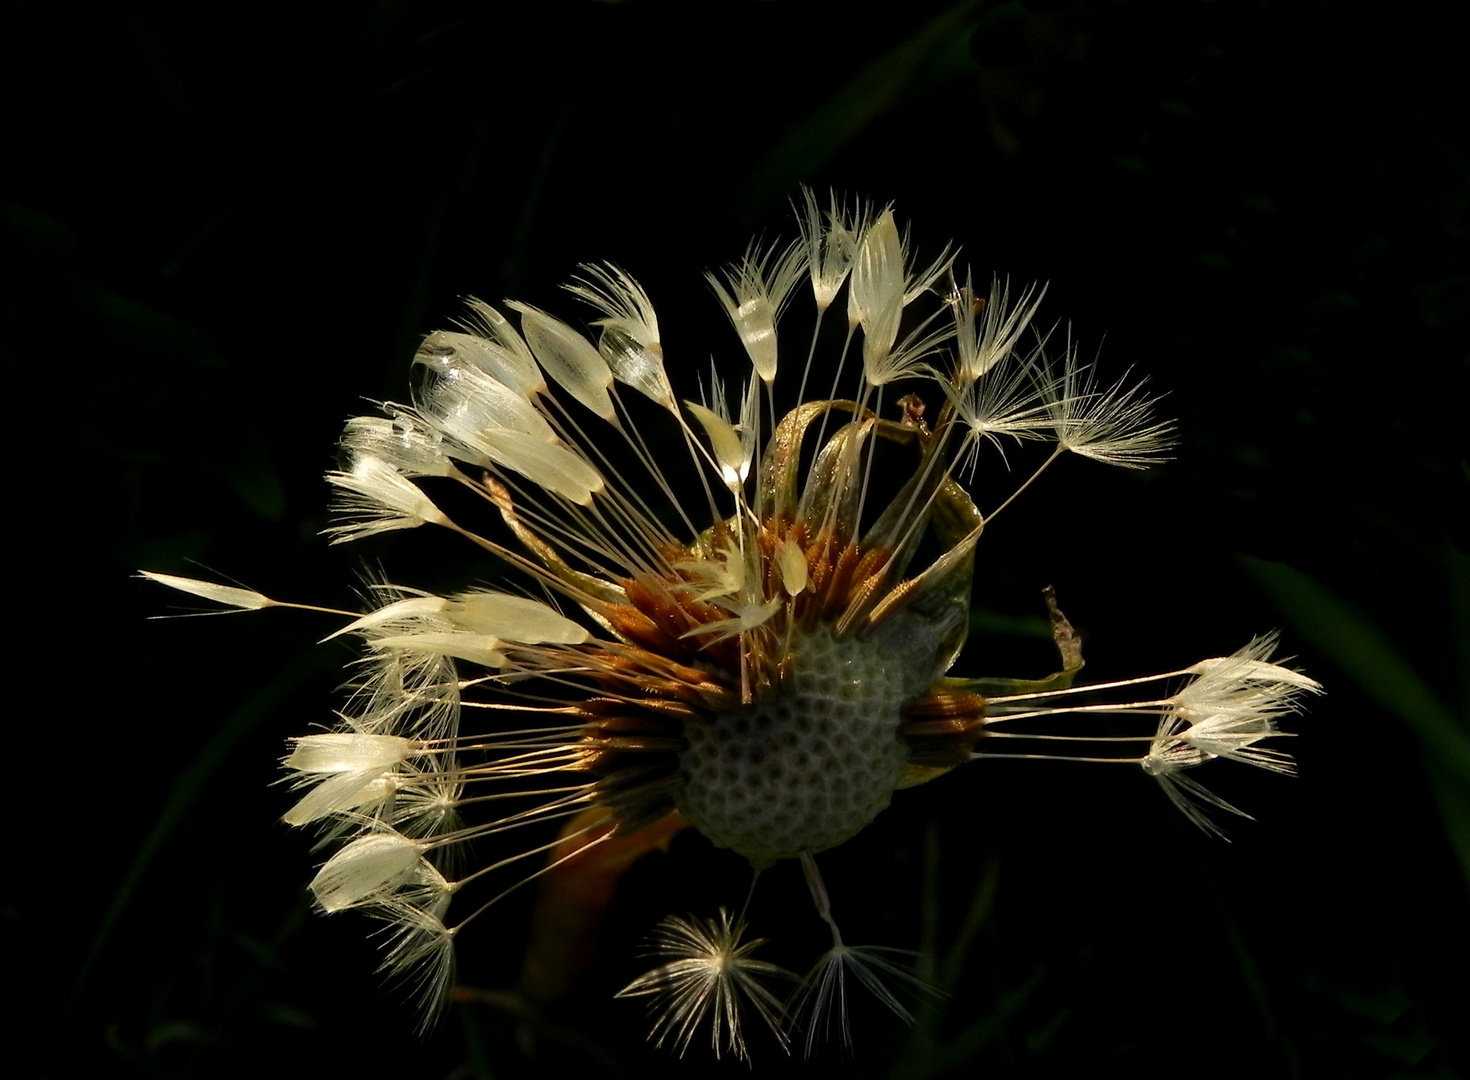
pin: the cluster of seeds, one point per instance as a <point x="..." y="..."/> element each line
<point x="768" y="661"/>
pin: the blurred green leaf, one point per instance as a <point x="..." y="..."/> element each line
<point x="1348" y="637"/>
<point x="1410" y="1049"/>
<point x="895" y="74"/>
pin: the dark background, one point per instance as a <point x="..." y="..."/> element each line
<point x="226" y="227"/>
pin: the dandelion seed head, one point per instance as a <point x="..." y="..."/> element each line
<point x="767" y="662"/>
